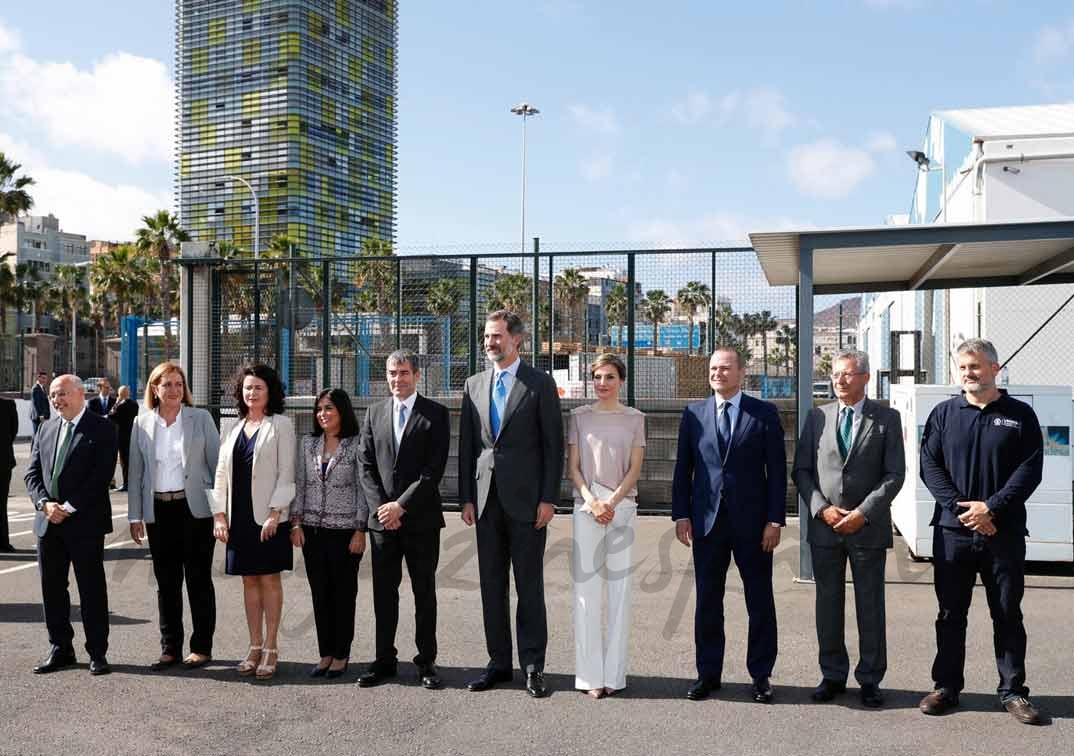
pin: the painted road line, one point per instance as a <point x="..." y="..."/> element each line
<point x="30" y="565"/>
<point x="30" y="532"/>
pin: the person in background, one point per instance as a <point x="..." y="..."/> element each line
<point x="9" y="430"/>
<point x="122" y="416"/>
<point x="40" y="409"/>
<point x="105" y="400"/>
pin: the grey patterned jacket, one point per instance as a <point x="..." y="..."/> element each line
<point x="335" y="499"/>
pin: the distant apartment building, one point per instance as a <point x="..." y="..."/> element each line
<point x="298" y="98"/>
<point x="38" y="241"/>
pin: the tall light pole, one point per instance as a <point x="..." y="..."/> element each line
<point x="257" y="214"/>
<point x="525" y="110"/>
<point x="257" y="269"/>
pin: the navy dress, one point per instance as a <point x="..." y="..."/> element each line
<point x="246" y="553"/>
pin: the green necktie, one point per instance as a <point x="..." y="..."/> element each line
<point x="61" y="455"/>
<point x="846" y="432"/>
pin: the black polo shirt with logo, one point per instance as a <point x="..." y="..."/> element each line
<point x="993" y="454"/>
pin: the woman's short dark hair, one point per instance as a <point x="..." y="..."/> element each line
<point x="348" y="423"/>
<point x="271" y="379"/>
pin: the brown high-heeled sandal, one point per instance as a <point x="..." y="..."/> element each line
<point x="249" y="665"/>
<point x="267" y="671"/>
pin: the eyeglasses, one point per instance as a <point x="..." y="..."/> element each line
<point x="836" y="377"/>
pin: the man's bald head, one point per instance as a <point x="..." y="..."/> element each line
<point x="67" y="395"/>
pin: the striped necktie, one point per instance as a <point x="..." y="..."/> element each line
<point x="846" y="432"/>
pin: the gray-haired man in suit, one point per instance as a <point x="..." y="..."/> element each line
<point x="848" y="466"/>
<point x="510" y="469"/>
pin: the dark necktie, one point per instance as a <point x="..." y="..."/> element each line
<point x="846" y="432"/>
<point x="723" y="429"/>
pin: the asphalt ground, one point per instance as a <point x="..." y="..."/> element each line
<point x="213" y="711"/>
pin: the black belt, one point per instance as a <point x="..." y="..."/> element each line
<point x="169" y="495"/>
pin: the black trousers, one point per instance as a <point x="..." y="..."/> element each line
<point x="830" y="573"/>
<point x="5" y="487"/>
<point x="56" y="553"/>
<point x="712" y="557"/>
<point x="124" y="458"/>
<point x="421" y="550"/>
<point x="182" y="546"/>
<point x="503" y="544"/>
<point x="332" y="572"/>
<point x="958" y="557"/>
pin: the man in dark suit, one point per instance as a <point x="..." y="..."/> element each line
<point x="9" y="430"/>
<point x="404" y="449"/>
<point x="122" y="415"/>
<point x="848" y="466"/>
<point x="510" y="470"/>
<point x="728" y="499"/>
<point x="40" y="409"/>
<point x="72" y="459"/>
<point x="105" y="400"/>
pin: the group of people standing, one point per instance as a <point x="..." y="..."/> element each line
<point x="262" y="494"/>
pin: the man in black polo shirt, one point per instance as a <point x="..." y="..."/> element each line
<point x="981" y="458"/>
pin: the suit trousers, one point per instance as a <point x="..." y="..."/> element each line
<point x="421" y="550"/>
<point x="958" y="557"/>
<point x="56" y="553"/>
<point x="125" y="457"/>
<point x="332" y="571"/>
<point x="829" y="572"/>
<point x="600" y="560"/>
<point x="503" y="544"/>
<point x="5" y="489"/>
<point x="712" y="557"/>
<point x="182" y="547"/>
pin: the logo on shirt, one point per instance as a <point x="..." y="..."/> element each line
<point x="1006" y="423"/>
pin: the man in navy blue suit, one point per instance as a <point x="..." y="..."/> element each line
<point x="729" y="499"/>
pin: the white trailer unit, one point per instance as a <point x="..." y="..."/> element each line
<point x="1050" y="511"/>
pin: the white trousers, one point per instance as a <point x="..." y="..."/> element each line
<point x="600" y="558"/>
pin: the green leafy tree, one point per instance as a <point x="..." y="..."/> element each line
<point x="511" y="292"/>
<point x="691" y="298"/>
<point x="572" y="290"/>
<point x="654" y="308"/>
<point x="765" y="324"/>
<point x="160" y="235"/>
<point x="615" y="308"/>
<point x="14" y="190"/>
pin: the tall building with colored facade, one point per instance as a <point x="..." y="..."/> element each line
<point x="297" y="97"/>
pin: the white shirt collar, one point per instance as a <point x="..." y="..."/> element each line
<point x="856" y="407"/>
<point x="409" y="402"/>
<point x="78" y="417"/>
<point x="160" y="420"/>
<point x="734" y="400"/>
<point x="511" y="370"/>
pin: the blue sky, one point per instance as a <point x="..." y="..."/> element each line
<point x="662" y="123"/>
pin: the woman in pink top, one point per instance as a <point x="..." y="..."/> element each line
<point x="606" y="448"/>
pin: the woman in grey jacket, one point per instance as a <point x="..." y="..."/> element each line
<point x="328" y="522"/>
<point x="173" y="453"/>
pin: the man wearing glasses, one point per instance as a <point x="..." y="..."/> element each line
<point x="848" y="467"/>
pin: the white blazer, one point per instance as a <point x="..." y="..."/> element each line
<point x="273" y="477"/>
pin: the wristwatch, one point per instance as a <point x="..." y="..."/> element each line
<point x="775" y="524"/>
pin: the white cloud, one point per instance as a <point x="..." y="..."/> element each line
<point x="828" y="169"/>
<point x="597" y="167"/>
<point x="1053" y="42"/>
<point x="762" y="108"/>
<point x="122" y="105"/>
<point x="83" y="204"/>
<point x="601" y="121"/>
<point x="766" y="109"/>
<point x="696" y="107"/>
<point x="881" y="141"/>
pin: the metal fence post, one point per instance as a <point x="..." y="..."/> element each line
<point x="711" y="345"/>
<point x="398" y="302"/>
<point x="326" y="324"/>
<point x="551" y="317"/>
<point x="473" y="316"/>
<point x="257" y="311"/>
<point x="535" y="310"/>
<point x="630" y="328"/>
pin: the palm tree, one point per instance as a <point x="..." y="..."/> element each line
<point x="724" y="324"/>
<point x="68" y="295"/>
<point x="30" y="289"/>
<point x="14" y="197"/>
<point x="442" y="299"/>
<point x="787" y="335"/>
<point x="655" y="307"/>
<point x="511" y="292"/>
<point x="160" y="235"/>
<point x="691" y="298"/>
<point x="765" y="323"/>
<point x="8" y="289"/>
<point x="615" y="308"/>
<point x="573" y="290"/>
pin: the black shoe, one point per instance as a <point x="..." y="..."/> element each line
<point x="939" y="701"/>
<point x="57" y="659"/>
<point x="375" y="676"/>
<point x="7" y="548"/>
<point x="871" y="696"/>
<point x="700" y="690"/>
<point x="828" y="690"/>
<point x="318" y="671"/>
<point x="535" y="685"/>
<point x="1021" y="709"/>
<point x="99" y="666"/>
<point x="163" y="663"/>
<point x="489" y="679"/>
<point x="762" y="690"/>
<point x="430" y="679"/>
<point x="332" y="674"/>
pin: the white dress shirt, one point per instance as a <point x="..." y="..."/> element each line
<point x="396" y="405"/>
<point x="168" y="455"/>
<point x="732" y="408"/>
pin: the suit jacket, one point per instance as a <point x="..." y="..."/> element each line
<point x="411" y="473"/>
<point x="123" y="415"/>
<point x="201" y="451"/>
<point x="83" y="481"/>
<point x="337" y="494"/>
<point x="273" y="470"/>
<point x="102" y="408"/>
<point x="527" y="457"/>
<point x="751" y="482"/>
<point x="867" y="481"/>
<point x="40" y="407"/>
<point x="9" y="431"/>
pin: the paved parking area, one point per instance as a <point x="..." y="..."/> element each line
<point x="212" y="711"/>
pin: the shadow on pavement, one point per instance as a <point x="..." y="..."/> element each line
<point x="33" y="613"/>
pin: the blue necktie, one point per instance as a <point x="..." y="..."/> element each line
<point x="723" y="429"/>
<point x="402" y="420"/>
<point x="499" y="405"/>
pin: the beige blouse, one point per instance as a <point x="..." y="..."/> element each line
<point x="605" y="440"/>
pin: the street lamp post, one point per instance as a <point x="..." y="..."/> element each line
<point x="257" y="268"/>
<point x="525" y="110"/>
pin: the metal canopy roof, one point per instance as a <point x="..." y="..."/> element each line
<point x="934" y="256"/>
<point x="1007" y="123"/>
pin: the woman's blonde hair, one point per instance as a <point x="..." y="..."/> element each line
<point x="156" y="376"/>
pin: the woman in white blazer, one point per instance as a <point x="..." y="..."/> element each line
<point x="173" y="453"/>
<point x="255" y="485"/>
